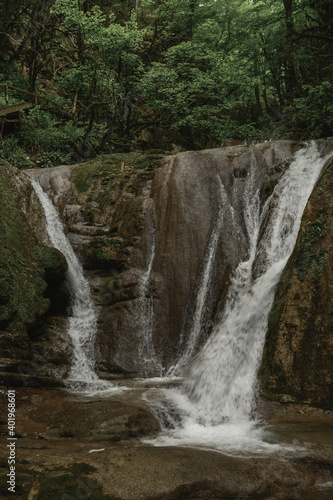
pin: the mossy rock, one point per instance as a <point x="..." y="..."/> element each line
<point x="109" y="190"/>
<point x="72" y="483"/>
<point x="31" y="280"/>
<point x="71" y="486"/>
<point x="52" y="262"/>
<point x="22" y="283"/>
<point x="27" y="266"/>
<point x="296" y="364"/>
<point x="114" y="172"/>
<point x="104" y="253"/>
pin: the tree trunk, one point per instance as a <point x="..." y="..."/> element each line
<point x="136" y="10"/>
<point x="290" y="76"/>
<point x="256" y="87"/>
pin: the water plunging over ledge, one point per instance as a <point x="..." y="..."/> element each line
<point x="82" y="325"/>
<point x="216" y="406"/>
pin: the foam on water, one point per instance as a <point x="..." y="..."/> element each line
<point x="216" y="405"/>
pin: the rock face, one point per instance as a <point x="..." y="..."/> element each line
<point x="106" y="210"/>
<point x="32" y="286"/>
<point x="144" y="239"/>
<point x="144" y="229"/>
<point x="187" y="197"/>
<point x="298" y="357"/>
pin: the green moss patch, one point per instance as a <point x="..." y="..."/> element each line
<point x="52" y="262"/>
<point x="104" y="253"/>
<point x="26" y="265"/>
<point x="21" y="277"/>
<point x="300" y="319"/>
<point x="29" y="271"/>
<point x="109" y="191"/>
<point x="72" y="483"/>
<point x="114" y="173"/>
<point x="68" y="486"/>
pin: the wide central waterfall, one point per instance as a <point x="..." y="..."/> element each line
<point x="82" y="325"/>
<point x="217" y="402"/>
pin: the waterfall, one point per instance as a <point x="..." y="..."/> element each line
<point x="216" y="406"/>
<point x="82" y="325"/>
<point x="187" y="346"/>
<point x="146" y="314"/>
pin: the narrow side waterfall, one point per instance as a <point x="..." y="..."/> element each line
<point x="146" y="315"/>
<point x="188" y="345"/>
<point x="216" y="406"/>
<point x="82" y="325"/>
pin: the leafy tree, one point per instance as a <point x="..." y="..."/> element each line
<point x="200" y="70"/>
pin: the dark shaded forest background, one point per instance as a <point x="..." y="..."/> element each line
<point x="105" y="76"/>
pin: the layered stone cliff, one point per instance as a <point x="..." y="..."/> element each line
<point x="127" y="214"/>
<point x="298" y="358"/>
<point x="114" y="210"/>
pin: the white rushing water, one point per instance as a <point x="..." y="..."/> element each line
<point x="82" y="325"/>
<point x="216" y="405"/>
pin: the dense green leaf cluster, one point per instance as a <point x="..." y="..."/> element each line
<point x="110" y="76"/>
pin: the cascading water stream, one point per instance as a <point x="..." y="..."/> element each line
<point x="217" y="402"/>
<point x="82" y="325"/>
<point x="146" y="315"/>
<point x="186" y="353"/>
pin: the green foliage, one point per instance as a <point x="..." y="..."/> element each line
<point x="12" y="154"/>
<point x="313" y="112"/>
<point x="21" y="277"/>
<point x="43" y="131"/>
<point x="201" y="71"/>
<point x="53" y="158"/>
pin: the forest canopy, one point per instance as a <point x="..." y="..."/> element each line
<point x="107" y="75"/>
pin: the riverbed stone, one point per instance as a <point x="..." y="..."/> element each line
<point x="61" y="454"/>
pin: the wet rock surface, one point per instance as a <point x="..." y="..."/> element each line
<point x="114" y="209"/>
<point x="81" y="447"/>
<point x="298" y="357"/>
<point x="105" y="209"/>
<point x="187" y="197"/>
<point x="33" y="289"/>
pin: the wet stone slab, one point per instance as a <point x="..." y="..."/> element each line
<point x="79" y="447"/>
